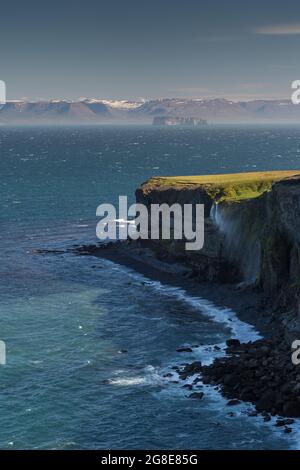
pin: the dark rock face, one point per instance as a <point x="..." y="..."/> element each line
<point x="292" y="408"/>
<point x="262" y="237"/>
<point x="208" y="264"/>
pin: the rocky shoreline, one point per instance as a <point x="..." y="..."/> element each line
<point x="260" y="372"/>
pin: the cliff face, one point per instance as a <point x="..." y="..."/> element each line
<point x="208" y="263"/>
<point x="252" y="232"/>
<point x="280" y="260"/>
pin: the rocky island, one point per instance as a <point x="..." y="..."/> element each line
<point x="179" y="121"/>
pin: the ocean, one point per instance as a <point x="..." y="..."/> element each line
<point x="88" y="340"/>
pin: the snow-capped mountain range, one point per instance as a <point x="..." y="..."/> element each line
<point x="94" y="110"/>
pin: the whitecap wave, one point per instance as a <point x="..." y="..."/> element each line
<point x="151" y="376"/>
<point x="127" y="381"/>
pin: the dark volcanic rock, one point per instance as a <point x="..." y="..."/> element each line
<point x="197" y="395"/>
<point x="266" y="401"/>
<point x="292" y="408"/>
<point x="233" y="343"/>
<point x="233" y="402"/>
<point x="284" y="422"/>
<point x="190" y="369"/>
<point x="266" y="417"/>
<point x="262" y="373"/>
<point x="252" y="413"/>
<point x="182" y="350"/>
<point x="188" y="386"/>
<point x="229" y="379"/>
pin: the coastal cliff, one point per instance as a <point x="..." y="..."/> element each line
<point x="251" y="258"/>
<point x="252" y="232"/>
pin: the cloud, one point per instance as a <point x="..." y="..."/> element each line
<point x="279" y="30"/>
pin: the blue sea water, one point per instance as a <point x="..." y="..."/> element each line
<point x="66" y="319"/>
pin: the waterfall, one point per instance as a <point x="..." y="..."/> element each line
<point x="241" y="238"/>
<point x="216" y="216"/>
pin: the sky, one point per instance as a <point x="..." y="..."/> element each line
<point x="129" y="49"/>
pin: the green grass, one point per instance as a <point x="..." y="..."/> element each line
<point x="227" y="187"/>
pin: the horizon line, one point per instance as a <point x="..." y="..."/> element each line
<point x="141" y="100"/>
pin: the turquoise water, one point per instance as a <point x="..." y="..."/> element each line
<point x="67" y="319"/>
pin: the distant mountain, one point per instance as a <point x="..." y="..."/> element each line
<point x="123" y="111"/>
<point x="222" y="110"/>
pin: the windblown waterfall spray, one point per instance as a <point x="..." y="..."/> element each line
<point x="241" y="242"/>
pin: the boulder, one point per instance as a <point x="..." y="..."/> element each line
<point x="196" y="395"/>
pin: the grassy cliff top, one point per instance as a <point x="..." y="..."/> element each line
<point x="226" y="187"/>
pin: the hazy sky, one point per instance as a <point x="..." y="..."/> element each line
<point x="237" y="49"/>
